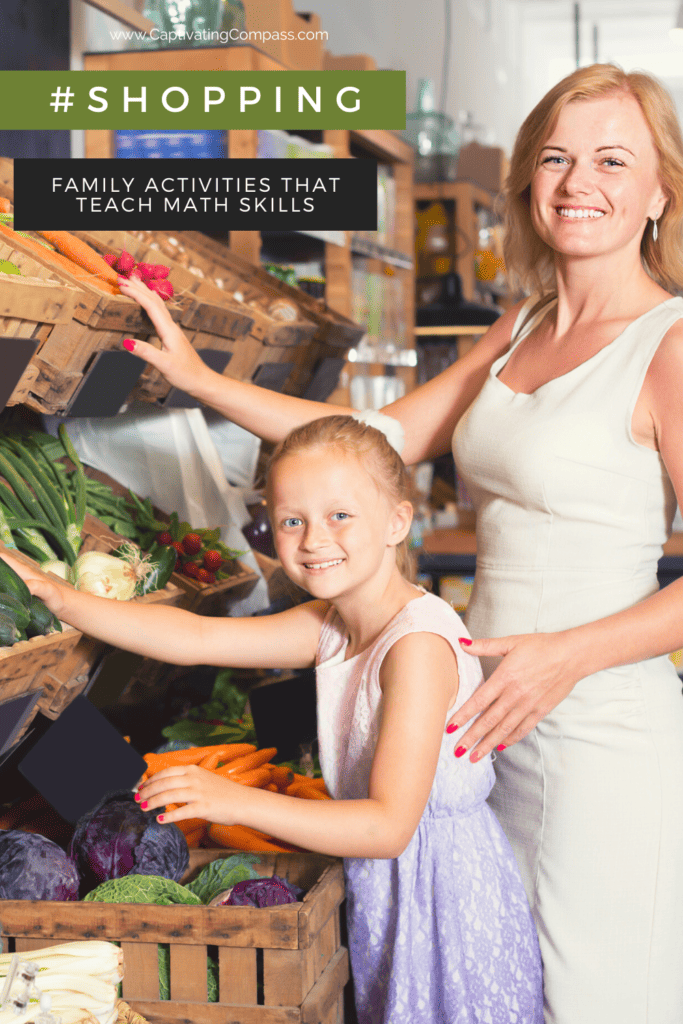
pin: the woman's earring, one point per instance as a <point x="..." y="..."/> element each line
<point x="655" y="233"/>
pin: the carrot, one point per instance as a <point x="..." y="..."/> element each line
<point x="250" y="761"/>
<point x="195" y="755"/>
<point x="306" y="792"/>
<point x="193" y="839"/>
<point x="272" y="788"/>
<point x="239" y="837"/>
<point x="257" y="777"/>
<point x="318" y="784"/>
<point x="5" y="205"/>
<point x="81" y="253"/>
<point x="59" y="261"/>
<point x="282" y="777"/>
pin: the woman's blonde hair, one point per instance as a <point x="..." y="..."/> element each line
<point x="527" y="257"/>
<point x="352" y="437"/>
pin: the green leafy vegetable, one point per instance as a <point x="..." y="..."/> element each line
<point x="222" y="874"/>
<point x="142" y="889"/>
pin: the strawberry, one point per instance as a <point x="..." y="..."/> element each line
<point x="164" y="537"/>
<point x="192" y="543"/>
<point x="212" y="560"/>
<point x="192" y="570"/>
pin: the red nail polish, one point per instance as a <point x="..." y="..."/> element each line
<point x="160" y="817"/>
<point x="501" y="746"/>
<point x="137" y="797"/>
<point x="129" y="344"/>
<point x="475" y="757"/>
<point x="144" y="805"/>
<point x="465" y="641"/>
<point x="451" y="728"/>
<point x="460" y="751"/>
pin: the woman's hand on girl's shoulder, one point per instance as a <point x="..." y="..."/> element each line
<point x="176" y="360"/>
<point x="536" y="673"/>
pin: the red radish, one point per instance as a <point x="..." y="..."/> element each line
<point x="192" y="570"/>
<point x="161" y="270"/>
<point x="192" y="543"/>
<point x="204" y="576"/>
<point x="162" y="288"/>
<point x="164" y="537"/>
<point x="124" y="264"/>
<point x="179" y="549"/>
<point x="110" y="258"/>
<point x="212" y="560"/>
<point x="211" y="576"/>
<point x="148" y="271"/>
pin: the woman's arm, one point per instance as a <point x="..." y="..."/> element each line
<point x="414" y="708"/>
<point x="539" y="670"/>
<point x="428" y="414"/>
<point x="178" y="637"/>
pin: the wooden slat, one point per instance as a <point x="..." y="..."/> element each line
<point x="320" y="903"/>
<point x="214" y="1013"/>
<point x="49" y="302"/>
<point x="188" y="973"/>
<point x="24" y="945"/>
<point x="141" y="970"/>
<point x="237" y="975"/>
<point x="275" y="927"/>
<point x="336" y="1013"/>
<point x="284" y="977"/>
<point x="325" y="993"/>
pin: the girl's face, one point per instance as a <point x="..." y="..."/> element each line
<point x="334" y="528"/>
<point x="596" y="180"/>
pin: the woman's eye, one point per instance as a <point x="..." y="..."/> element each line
<point x="292" y="522"/>
<point x="340" y="516"/>
<point x="611" y="161"/>
<point x="553" y="160"/>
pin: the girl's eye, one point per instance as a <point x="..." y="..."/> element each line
<point x="340" y="516"/>
<point x="292" y="522"/>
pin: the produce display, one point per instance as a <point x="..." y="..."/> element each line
<point x="35" y="868"/>
<point x="81" y="979"/>
<point x="154" y="275"/>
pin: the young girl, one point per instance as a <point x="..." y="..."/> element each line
<point x="440" y="931"/>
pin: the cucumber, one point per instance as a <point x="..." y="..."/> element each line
<point x="14" y="609"/>
<point x="42" y="620"/>
<point x="9" y="634"/>
<point x="11" y="583"/>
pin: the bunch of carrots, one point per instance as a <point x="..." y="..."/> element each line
<point x="244" y="764"/>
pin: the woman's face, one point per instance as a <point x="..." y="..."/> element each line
<point x="596" y="180"/>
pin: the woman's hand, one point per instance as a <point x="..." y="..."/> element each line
<point x="203" y="794"/>
<point x="39" y="583"/>
<point x="176" y="360"/>
<point x="536" y="673"/>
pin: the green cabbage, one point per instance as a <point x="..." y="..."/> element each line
<point x="222" y="874"/>
<point x="142" y="889"/>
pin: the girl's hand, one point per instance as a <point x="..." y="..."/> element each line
<point x="176" y="360"/>
<point x="533" y="677"/>
<point x="204" y="794"/>
<point x="38" y="582"/>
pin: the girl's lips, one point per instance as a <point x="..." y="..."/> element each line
<point x="319" y="566"/>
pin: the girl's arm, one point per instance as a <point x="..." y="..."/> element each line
<point x="539" y="670"/>
<point x="178" y="637"/>
<point x="413" y="713"/>
<point x="428" y="414"/>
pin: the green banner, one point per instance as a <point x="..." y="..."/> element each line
<point x="203" y="99"/>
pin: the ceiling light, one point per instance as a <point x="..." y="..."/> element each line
<point x="676" y="33"/>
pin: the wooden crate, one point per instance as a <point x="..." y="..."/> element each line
<point x="202" y="598"/>
<point x="294" y="950"/>
<point x="69" y="678"/>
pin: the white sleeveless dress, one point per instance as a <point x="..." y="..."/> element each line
<point x="571" y="517"/>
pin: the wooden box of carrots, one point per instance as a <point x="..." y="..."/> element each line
<point x="280" y="341"/>
<point x="275" y="965"/>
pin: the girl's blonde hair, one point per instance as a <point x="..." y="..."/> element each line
<point x="369" y="445"/>
<point x="527" y="257"/>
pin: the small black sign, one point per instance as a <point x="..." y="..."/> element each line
<point x="13" y="714"/>
<point x="16" y="354"/>
<point x="80" y="758"/>
<point x="191" y="194"/>
<point x="214" y="358"/>
<point x="109" y="380"/>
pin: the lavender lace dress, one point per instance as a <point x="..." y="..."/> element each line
<point x="442" y="934"/>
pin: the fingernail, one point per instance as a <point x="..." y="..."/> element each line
<point x="501" y="746"/>
<point x="475" y="756"/>
<point x="144" y="805"/>
<point x="160" y="817"/>
<point x="462" y="639"/>
<point x="460" y="751"/>
<point x="137" y="797"/>
<point x="129" y="344"/>
<point x="451" y="728"/>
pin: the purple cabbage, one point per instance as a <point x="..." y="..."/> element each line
<point x="32" y="867"/>
<point x="117" y="838"/>
<point x="263" y="892"/>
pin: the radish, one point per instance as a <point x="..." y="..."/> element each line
<point x="124" y="264"/>
<point x="162" y="288"/>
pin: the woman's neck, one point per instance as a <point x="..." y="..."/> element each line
<point x="366" y="614"/>
<point x="611" y="287"/>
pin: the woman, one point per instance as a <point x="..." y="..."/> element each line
<point x="566" y="419"/>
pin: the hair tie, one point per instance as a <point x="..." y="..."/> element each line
<point x="387" y="425"/>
